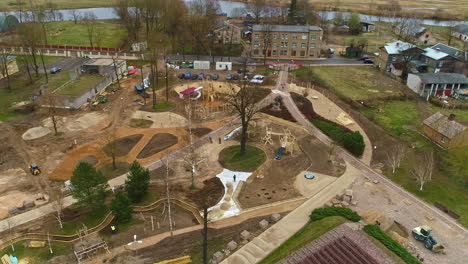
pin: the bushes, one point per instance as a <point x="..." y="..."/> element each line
<point x="391" y="244"/>
<point x="351" y="141"/>
<point x="347" y="213"/>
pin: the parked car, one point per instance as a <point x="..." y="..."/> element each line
<point x="201" y="76"/>
<point x="257" y="79"/>
<point x="235" y="77"/>
<point x="228" y="77"/>
<point x="208" y="77"/>
<point x="239" y="71"/>
<point x="55" y="70"/>
<point x="215" y="77"/>
<point x="188" y="74"/>
<point x="362" y="58"/>
<point x="194" y="76"/>
<point x="181" y="76"/>
<point x="368" y="61"/>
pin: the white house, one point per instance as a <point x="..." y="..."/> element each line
<point x="221" y="66"/>
<point x="437" y="84"/>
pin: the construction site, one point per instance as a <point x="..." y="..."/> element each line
<point x="182" y="146"/>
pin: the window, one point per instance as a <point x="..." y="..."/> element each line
<point x="304" y="37"/>
<point x="293" y="45"/>
<point x="443" y="139"/>
<point x="257" y="35"/>
<point x="302" y="53"/>
<point x="275" y="44"/>
<point x="282" y="36"/>
<point x="294" y="37"/>
<point x="425" y="42"/>
<point x="293" y="53"/>
<point x="283" y="52"/>
<point x="275" y="36"/>
<point x="312" y="54"/>
<point x="440" y="64"/>
<point x="312" y="37"/>
<point x="312" y="46"/>
<point x="285" y="36"/>
<point x="393" y="59"/>
<point x="274" y="53"/>
<point x="303" y="45"/>
<point x="282" y="44"/>
<point x="255" y="52"/>
<point x="257" y="44"/>
<point x="427" y="36"/>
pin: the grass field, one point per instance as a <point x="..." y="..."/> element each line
<point x="38" y="255"/>
<point x="357" y="83"/>
<point x="232" y="160"/>
<point x="77" y="87"/>
<point x="308" y="233"/>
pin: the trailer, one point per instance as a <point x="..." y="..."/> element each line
<point x="201" y="65"/>
<point x="223" y="66"/>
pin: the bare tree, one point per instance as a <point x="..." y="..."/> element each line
<point x="394" y="156"/>
<point x="29" y="35"/>
<point x="257" y="8"/>
<point x="449" y="30"/>
<point x="89" y="19"/>
<point x="267" y="41"/>
<point x="4" y="56"/>
<point x="11" y="227"/>
<point x="111" y="137"/>
<point x="130" y="17"/>
<point x="75" y="14"/>
<point x="57" y="202"/>
<point x="52" y="106"/>
<point x="423" y="169"/>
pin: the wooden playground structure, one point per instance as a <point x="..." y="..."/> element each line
<point x="287" y="140"/>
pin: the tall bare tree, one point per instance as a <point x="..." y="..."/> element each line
<point x="394" y="156"/>
<point x="130" y="17"/>
<point x="4" y="56"/>
<point x="267" y="41"/>
<point x="423" y="169"/>
<point x="89" y="19"/>
<point x="75" y="15"/>
<point x="257" y="8"/>
<point x="57" y="202"/>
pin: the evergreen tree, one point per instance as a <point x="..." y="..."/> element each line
<point x="292" y="12"/>
<point x="89" y="187"/>
<point x="137" y="182"/>
<point x="121" y="208"/>
<point x="354" y="24"/>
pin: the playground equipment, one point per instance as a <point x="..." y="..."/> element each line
<point x="146" y="82"/>
<point x="232" y="133"/>
<point x="287" y="140"/>
<point x="190" y="91"/>
<point x="34" y="168"/>
<point x="423" y="233"/>
<point x="88" y="252"/>
<point x="141" y="91"/>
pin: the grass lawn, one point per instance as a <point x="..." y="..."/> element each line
<point x="38" y="255"/>
<point x="140" y="123"/>
<point x="90" y="219"/>
<point x="308" y="233"/>
<point x="5" y="116"/>
<point x="387" y="251"/>
<point x="20" y="60"/>
<point x="357" y="83"/>
<point x="109" y="34"/>
<point x="162" y="105"/>
<point x="74" y="88"/>
<point x="109" y="172"/>
<point x="461" y="114"/>
<point x="21" y="89"/>
<point x="231" y="159"/>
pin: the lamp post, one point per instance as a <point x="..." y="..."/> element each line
<point x="135" y="242"/>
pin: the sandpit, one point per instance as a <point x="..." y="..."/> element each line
<point x="227" y="206"/>
<point x="122" y="146"/>
<point x="156" y="144"/>
<point x="36" y="132"/>
<point x="218" y="87"/>
<point x="85" y="121"/>
<point x="162" y="120"/>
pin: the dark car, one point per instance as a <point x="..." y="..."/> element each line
<point x="181" y="76"/>
<point x="194" y="76"/>
<point x="208" y="77"/>
<point x="239" y="71"/>
<point x="201" y="76"/>
<point x="228" y="77"/>
<point x="55" y="70"/>
<point x="187" y="75"/>
<point x="368" y="61"/>
<point x="363" y="58"/>
<point x="235" y="77"/>
<point x="215" y="77"/>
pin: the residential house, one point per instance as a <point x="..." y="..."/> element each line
<point x="410" y="30"/>
<point x="367" y="26"/>
<point x="400" y="51"/>
<point x="286" y="41"/>
<point x="11" y="66"/>
<point x="441" y="58"/>
<point x="437" y="84"/>
<point x="227" y="33"/>
<point x="445" y="131"/>
<point x="461" y="32"/>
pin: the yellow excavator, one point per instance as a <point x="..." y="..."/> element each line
<point x="34" y="168"/>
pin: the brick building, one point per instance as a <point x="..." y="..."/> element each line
<point x="445" y="131"/>
<point x="286" y="41"/>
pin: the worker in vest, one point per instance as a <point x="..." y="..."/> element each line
<point x="113" y="229"/>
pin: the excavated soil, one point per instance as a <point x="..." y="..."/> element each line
<point x="122" y="145"/>
<point x="91" y="159"/>
<point x="211" y="193"/>
<point x="156" y="144"/>
<point x="201" y="131"/>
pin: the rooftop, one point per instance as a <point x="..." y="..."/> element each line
<point x="285" y="28"/>
<point x="447" y="49"/>
<point x="411" y="27"/>
<point x="446" y="127"/>
<point x="397" y="47"/>
<point x="443" y="78"/>
<point x="462" y="28"/>
<point x="103" y="62"/>
<point x="434" y="53"/>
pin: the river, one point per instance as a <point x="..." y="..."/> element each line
<point x="233" y="8"/>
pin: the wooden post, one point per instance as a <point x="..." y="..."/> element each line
<point x="152" y="224"/>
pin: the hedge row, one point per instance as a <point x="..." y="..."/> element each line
<point x="391" y="244"/>
<point x="320" y="213"/>
<point x="351" y="141"/>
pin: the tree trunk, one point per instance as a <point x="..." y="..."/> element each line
<point x="205" y="234"/>
<point x="167" y="81"/>
<point x="44" y="67"/>
<point x="54" y="121"/>
<point x="5" y="66"/>
<point x="243" y="141"/>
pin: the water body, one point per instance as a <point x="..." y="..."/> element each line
<point x="233" y="8"/>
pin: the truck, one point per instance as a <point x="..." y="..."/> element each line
<point x="423" y="233"/>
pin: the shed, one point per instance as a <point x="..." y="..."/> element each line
<point x="445" y="131"/>
<point x="7" y="22"/>
<point x="201" y="65"/>
<point x="220" y="66"/>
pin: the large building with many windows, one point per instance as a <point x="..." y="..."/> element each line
<point x="286" y="42"/>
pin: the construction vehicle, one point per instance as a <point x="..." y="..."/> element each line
<point x="34" y="168"/>
<point x="423" y="233"/>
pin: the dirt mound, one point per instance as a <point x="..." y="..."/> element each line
<point x="212" y="191"/>
<point x="201" y="131"/>
<point x="156" y="144"/>
<point x="122" y="146"/>
<point x="86" y="121"/>
<point x="36" y="132"/>
<point x="91" y="159"/>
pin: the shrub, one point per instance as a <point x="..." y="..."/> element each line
<point x="391" y="244"/>
<point x="351" y="141"/>
<point x="347" y="213"/>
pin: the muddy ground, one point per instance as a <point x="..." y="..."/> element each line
<point x="157" y="143"/>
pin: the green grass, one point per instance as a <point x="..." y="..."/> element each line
<point x="109" y="172"/>
<point x="162" y="106"/>
<point x="387" y="251"/>
<point x="38" y="255"/>
<point x="77" y="87"/>
<point x="20" y="60"/>
<point x="308" y="233"/>
<point x="461" y="114"/>
<point x="109" y="34"/>
<point x="140" y="123"/>
<point x="8" y="115"/>
<point x="21" y="90"/>
<point x="90" y="219"/>
<point x="231" y="159"/>
<point x="357" y="83"/>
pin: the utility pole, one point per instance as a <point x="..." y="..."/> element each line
<point x="168" y="198"/>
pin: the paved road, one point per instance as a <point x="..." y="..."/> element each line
<point x="65" y="64"/>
